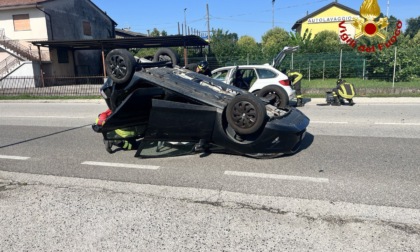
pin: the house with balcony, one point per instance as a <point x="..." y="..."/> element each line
<point x="24" y="21"/>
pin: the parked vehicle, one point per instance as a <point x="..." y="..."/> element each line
<point x="176" y="111"/>
<point x="263" y="80"/>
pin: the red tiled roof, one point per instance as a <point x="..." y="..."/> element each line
<point x="5" y="3"/>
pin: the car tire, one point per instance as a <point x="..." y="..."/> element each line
<point x="277" y="96"/>
<point x="120" y="65"/>
<point x="245" y="114"/>
<point x="166" y="54"/>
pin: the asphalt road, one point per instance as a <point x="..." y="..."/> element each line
<point x="354" y="186"/>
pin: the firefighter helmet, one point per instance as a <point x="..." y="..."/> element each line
<point x="339" y="81"/>
<point x="203" y="65"/>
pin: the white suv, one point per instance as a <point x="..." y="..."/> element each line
<point x="262" y="80"/>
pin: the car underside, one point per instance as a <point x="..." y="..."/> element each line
<point x="175" y="111"/>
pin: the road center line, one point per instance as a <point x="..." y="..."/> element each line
<point x="374" y="123"/>
<point x="399" y="124"/>
<point x="328" y="122"/>
<point x="14" y="157"/>
<point x="276" y="176"/>
<point x="148" y="167"/>
<point x="55" y="117"/>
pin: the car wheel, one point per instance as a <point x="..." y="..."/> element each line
<point x="245" y="114"/>
<point x="120" y="65"/>
<point x="276" y="95"/>
<point x="166" y="54"/>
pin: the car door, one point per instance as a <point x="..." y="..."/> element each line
<point x="280" y="57"/>
<point x="134" y="110"/>
<point x="221" y="75"/>
<point x="232" y="75"/>
<point x="177" y="121"/>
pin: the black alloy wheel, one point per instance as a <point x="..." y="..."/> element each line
<point x="120" y="65"/>
<point x="246" y="114"/>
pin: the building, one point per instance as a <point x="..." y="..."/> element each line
<point x="327" y="19"/>
<point x="23" y="21"/>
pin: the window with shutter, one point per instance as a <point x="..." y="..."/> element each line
<point x="21" y="22"/>
<point x="87" y="30"/>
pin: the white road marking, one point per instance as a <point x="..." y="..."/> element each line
<point x="56" y="117"/>
<point x="399" y="124"/>
<point x="276" y="176"/>
<point x="375" y="123"/>
<point x="328" y="122"/>
<point x="148" y="167"/>
<point x="14" y="157"/>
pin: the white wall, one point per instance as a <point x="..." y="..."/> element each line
<point x="38" y="24"/>
<point x="26" y="69"/>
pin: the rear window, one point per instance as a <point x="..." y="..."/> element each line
<point x="266" y="74"/>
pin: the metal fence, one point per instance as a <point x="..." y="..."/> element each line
<point x="313" y="66"/>
<point x="51" y="86"/>
<point x="341" y="64"/>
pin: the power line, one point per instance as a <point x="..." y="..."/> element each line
<point x="280" y="8"/>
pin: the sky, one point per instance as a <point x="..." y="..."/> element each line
<point x="244" y="17"/>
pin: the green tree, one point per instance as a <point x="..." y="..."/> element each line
<point x="413" y="26"/>
<point x="155" y="33"/>
<point x="249" y="49"/>
<point x="145" y="53"/>
<point x="392" y="23"/>
<point x="302" y="41"/>
<point x="273" y="41"/>
<point x="325" y="41"/>
<point x="224" y="45"/>
<point x="408" y="52"/>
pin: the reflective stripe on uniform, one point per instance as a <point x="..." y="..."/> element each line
<point x="125" y="133"/>
<point x="346" y="91"/>
<point x="127" y="145"/>
<point x="295" y="77"/>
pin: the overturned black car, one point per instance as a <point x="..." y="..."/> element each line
<point x="174" y="111"/>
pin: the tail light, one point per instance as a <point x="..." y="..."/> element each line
<point x="284" y="82"/>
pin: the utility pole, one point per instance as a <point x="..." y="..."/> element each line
<point x="387" y="12"/>
<point x="208" y="22"/>
<point x="272" y="2"/>
<point x="185" y="48"/>
<point x="185" y="20"/>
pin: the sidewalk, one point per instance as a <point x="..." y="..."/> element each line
<point x="48" y="213"/>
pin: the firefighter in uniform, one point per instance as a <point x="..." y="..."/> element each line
<point x="127" y="137"/>
<point x="343" y="91"/>
<point x="201" y="67"/>
<point x="295" y="78"/>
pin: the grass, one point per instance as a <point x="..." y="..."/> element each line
<point x="370" y="88"/>
<point x="359" y="83"/>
